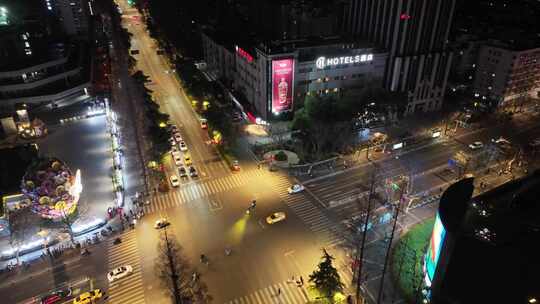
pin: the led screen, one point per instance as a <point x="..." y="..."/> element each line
<point x="282" y="84"/>
<point x="434" y="249"/>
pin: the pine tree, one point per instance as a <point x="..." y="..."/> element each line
<point x="326" y="277"/>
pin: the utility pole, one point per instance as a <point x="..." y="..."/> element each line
<point x="363" y="242"/>
<point x="386" y="258"/>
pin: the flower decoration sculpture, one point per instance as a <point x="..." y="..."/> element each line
<point x="52" y="188"/>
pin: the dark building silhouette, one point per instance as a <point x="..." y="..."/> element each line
<point x="487" y="251"/>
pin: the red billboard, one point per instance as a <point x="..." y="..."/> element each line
<point x="282" y="84"/>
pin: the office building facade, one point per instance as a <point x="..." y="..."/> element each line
<point x="506" y="75"/>
<point x="415" y="33"/>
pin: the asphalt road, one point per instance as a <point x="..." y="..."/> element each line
<point x="79" y="272"/>
<point x="208" y="213"/>
<point x="427" y="164"/>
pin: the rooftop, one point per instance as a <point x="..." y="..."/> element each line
<point x="494" y="260"/>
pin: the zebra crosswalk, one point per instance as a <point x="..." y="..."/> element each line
<point x="202" y="188"/>
<point x="284" y="293"/>
<point x="304" y="208"/>
<point x="129" y="289"/>
<point x="287" y="292"/>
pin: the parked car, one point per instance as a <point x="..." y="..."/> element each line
<point x="235" y="166"/>
<point x="182" y="171"/>
<point x="174" y="181"/>
<point x="501" y="140"/>
<point x="183" y="146"/>
<point x="88" y="297"/>
<point x="193" y="172"/>
<point x="177" y="160"/>
<point x="56" y="296"/>
<point x="204" y="124"/>
<point x="187" y="159"/>
<point x="275" y="217"/>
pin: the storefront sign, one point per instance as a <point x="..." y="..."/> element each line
<point x="323" y="62"/>
<point x="244" y="54"/>
<point x="282" y="85"/>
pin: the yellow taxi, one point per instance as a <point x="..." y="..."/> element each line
<point x="88" y="297"/>
<point x="187" y="160"/>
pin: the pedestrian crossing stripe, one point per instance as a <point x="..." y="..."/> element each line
<point x="283" y="293"/>
<point x="129" y="289"/>
<point x="314" y="218"/>
<point x="193" y="191"/>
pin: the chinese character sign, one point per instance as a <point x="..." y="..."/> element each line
<point x="282" y="84"/>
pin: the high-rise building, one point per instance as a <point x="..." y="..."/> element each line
<point x="72" y="14"/>
<point x="507" y="75"/>
<point x="415" y="34"/>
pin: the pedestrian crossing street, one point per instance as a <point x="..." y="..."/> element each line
<point x="309" y="213"/>
<point x="203" y="188"/>
<point x="286" y="292"/>
<point x="128" y="289"/>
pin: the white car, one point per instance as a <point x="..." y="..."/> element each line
<point x="183" y="146"/>
<point x="161" y="223"/>
<point x="174" y="181"/>
<point x="177" y="160"/>
<point x="174" y="150"/>
<point x="177" y="137"/>
<point x="476" y="145"/>
<point x="204" y="124"/>
<point x="172" y="141"/>
<point x="295" y="188"/>
<point x="119" y="273"/>
<point x="275" y="217"/>
<point x="500" y="140"/>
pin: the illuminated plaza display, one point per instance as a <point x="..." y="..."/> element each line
<point x="52" y="188"/>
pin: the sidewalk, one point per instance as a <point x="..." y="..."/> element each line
<point x="37" y="261"/>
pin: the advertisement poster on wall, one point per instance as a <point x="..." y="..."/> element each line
<point x="282" y="85"/>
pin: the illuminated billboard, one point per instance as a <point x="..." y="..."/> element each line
<point x="282" y="85"/>
<point x="434" y="250"/>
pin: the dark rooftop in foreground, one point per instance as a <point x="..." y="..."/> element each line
<point x="496" y="259"/>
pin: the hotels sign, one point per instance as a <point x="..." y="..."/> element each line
<point x="323" y="62"/>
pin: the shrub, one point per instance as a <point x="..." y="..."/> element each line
<point x="280" y="156"/>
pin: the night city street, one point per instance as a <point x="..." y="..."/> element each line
<point x="260" y="151"/>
